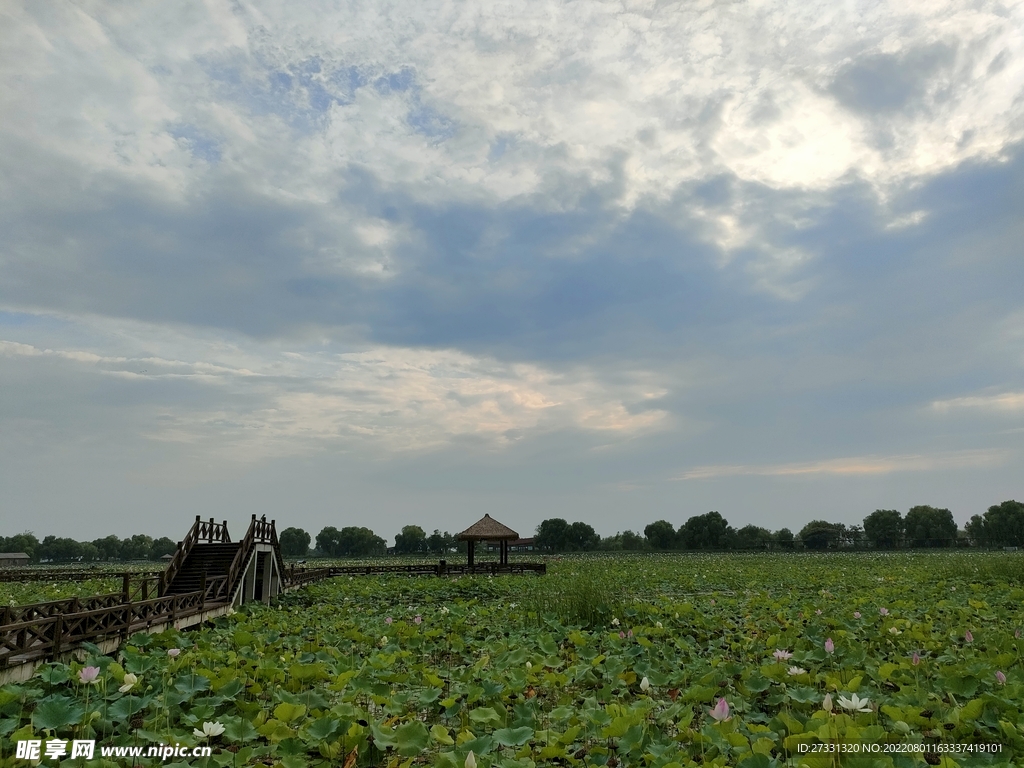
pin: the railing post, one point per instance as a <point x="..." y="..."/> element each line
<point x="58" y="631"/>
<point x="126" y="587"/>
<point x="202" y="588"/>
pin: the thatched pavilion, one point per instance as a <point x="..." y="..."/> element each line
<point x="488" y="529"/>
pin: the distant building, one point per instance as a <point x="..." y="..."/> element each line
<point x="13" y="558"/>
<point x="521" y="545"/>
<point x="166" y="558"/>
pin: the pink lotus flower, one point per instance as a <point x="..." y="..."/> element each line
<point x="1000" y="678"/>
<point x="418" y="620"/>
<point x="883" y="611"/>
<point x="713" y="602"/>
<point x="88" y="674"/>
<point x="968" y="637"/>
<point x="830" y="647"/>
<point x="721" y="711"/>
<point x="781" y="655"/>
<point x="630" y="633"/>
<point x="388" y="620"/>
<point x="1016" y="633"/>
<point x="856" y="614"/>
<point x="173" y="652"/>
<point x="915" y="659"/>
<point x="622" y="635"/>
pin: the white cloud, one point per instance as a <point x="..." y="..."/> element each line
<point x="1005" y="402"/>
<point x="855" y="465"/>
<point x="273" y="402"/>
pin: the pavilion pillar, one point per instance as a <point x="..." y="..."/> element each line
<point x="469" y="551"/>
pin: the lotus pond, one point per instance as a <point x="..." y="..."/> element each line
<point x="629" y="660"/>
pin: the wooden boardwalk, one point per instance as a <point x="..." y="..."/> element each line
<point x="33" y="634"/>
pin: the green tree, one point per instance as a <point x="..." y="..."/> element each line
<point x="22" y="542"/>
<point x="109" y="547"/>
<point x="930" y="527"/>
<point x="294" y="542"/>
<point x="707" y="531"/>
<point x="552" y="535"/>
<point x="137" y="547"/>
<point x="440" y="543"/>
<point x="328" y="541"/>
<point x="59" y="550"/>
<point x="358" y="541"/>
<point x="1002" y="525"/>
<point x="884" y="528"/>
<point x="784" y="538"/>
<point x="162" y="546"/>
<point x="412" y="540"/>
<point x="820" y="534"/>
<point x="753" y="537"/>
<point x="582" y="537"/>
<point x="660" y="534"/>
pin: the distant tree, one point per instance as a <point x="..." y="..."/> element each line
<point x="632" y="541"/>
<point x="328" y="541"/>
<point x="137" y="547"/>
<point x="358" y="541"/>
<point x="162" y="546"/>
<point x="350" y="541"/>
<point x="930" y="527"/>
<point x="109" y="547"/>
<point x="753" y="537"/>
<point x="294" y="542"/>
<point x="975" y="528"/>
<point x="660" y="534"/>
<point x="22" y="542"/>
<point x="884" y="528"/>
<point x="707" y="531"/>
<point x="440" y="543"/>
<point x="552" y="535"/>
<point x="59" y="550"/>
<point x="581" y="537"/>
<point x="1003" y="524"/>
<point x="820" y="534"/>
<point x="784" y="538"/>
<point x="412" y="540"/>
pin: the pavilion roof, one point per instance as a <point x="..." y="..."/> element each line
<point x="488" y="529"/>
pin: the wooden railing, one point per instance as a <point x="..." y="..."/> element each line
<point x="41" y="636"/>
<point x="201" y="532"/>
<point x="260" y="532"/>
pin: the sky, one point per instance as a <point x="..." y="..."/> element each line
<point x="391" y="263"/>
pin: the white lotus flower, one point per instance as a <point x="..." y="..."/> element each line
<point x="645" y="685"/>
<point x="529" y="665"/>
<point x="794" y="671"/>
<point x="470" y="760"/>
<point x="657" y="624"/>
<point x="855" y="703"/>
<point x="383" y="641"/>
<point x="826" y="703"/>
<point x="615" y="622"/>
<point x="209" y="730"/>
<point x="129" y="682"/>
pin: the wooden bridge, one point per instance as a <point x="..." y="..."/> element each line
<point x="207" y="577"/>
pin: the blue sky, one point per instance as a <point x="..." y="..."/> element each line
<point x="354" y="263"/>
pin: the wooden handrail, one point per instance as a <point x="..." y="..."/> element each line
<point x="201" y="531"/>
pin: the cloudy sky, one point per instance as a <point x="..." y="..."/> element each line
<point x="380" y="263"/>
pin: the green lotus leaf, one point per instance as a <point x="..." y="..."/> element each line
<point x="57" y="712"/>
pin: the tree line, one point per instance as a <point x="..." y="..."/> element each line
<point x="922" y="527"/>
<point x="57" y="549"/>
